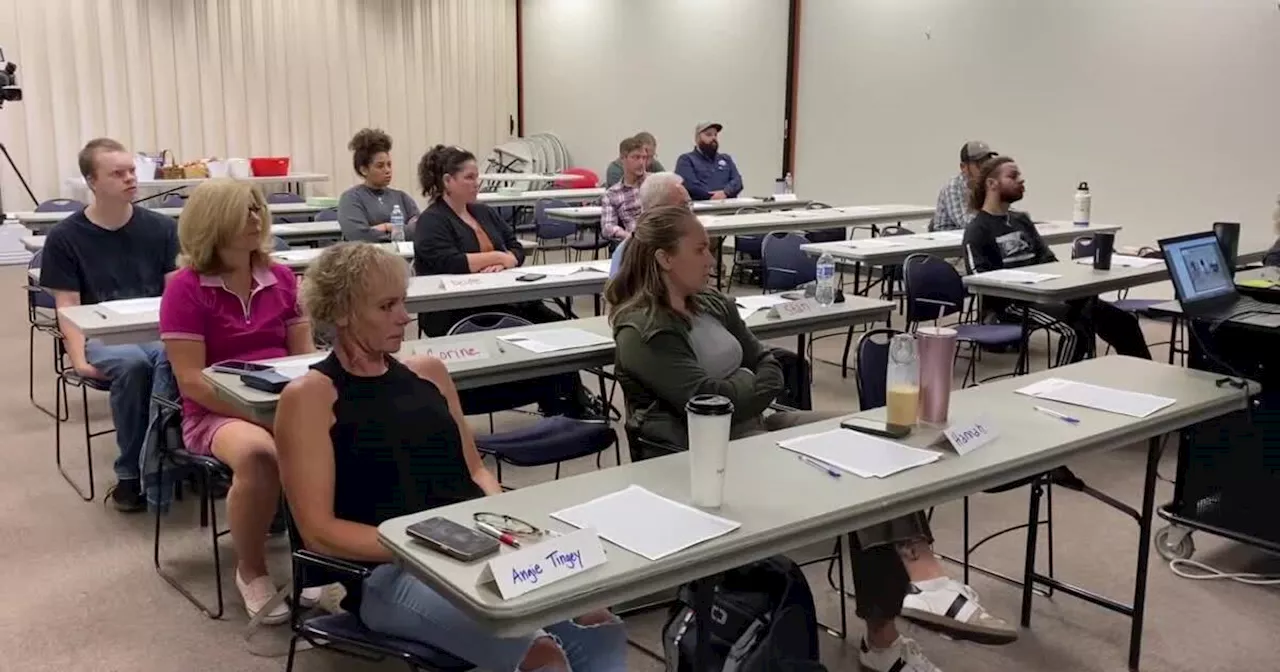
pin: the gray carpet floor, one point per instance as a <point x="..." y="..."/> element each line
<point x="80" y="592"/>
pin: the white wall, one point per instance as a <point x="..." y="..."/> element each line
<point x="253" y="78"/>
<point x="1168" y="108"/>
<point x="596" y="71"/>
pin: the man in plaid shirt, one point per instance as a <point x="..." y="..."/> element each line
<point x="620" y="207"/>
<point x="953" y="211"/>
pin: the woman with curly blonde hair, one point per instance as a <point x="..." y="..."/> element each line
<point x="229" y="301"/>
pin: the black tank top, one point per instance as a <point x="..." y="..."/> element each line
<point x="396" y="448"/>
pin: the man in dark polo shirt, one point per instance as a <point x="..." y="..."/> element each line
<point x="109" y="251"/>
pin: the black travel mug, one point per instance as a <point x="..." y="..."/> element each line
<point x="1228" y="234"/>
<point x="1103" y="245"/>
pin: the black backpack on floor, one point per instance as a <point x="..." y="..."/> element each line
<point x="762" y="620"/>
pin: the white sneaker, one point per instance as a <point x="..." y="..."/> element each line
<point x="257" y="594"/>
<point x="310" y="597"/>
<point x="950" y="607"/>
<point x="904" y="655"/>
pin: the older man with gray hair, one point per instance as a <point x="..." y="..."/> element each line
<point x="661" y="189"/>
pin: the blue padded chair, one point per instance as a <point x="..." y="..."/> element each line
<point x="1083" y="247"/>
<point x="549" y="440"/>
<point x="616" y="260"/>
<point x="934" y="290"/>
<point x="747" y="251"/>
<point x="283" y="197"/>
<point x="173" y="201"/>
<point x="824" y="235"/>
<point x="60" y="205"/>
<point x="214" y="477"/>
<point x="278" y="244"/>
<point x="67" y="377"/>
<point x="327" y="215"/>
<point x="41" y="317"/>
<point x="563" y="235"/>
<point x="785" y="266"/>
<point x="344" y="633"/>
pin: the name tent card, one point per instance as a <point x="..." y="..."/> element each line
<point x="968" y="436"/>
<point x="458" y="352"/>
<point x="795" y="308"/>
<point x="784" y="198"/>
<point x="519" y="571"/>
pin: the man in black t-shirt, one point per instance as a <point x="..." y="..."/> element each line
<point x="108" y="251"/>
<point x="998" y="237"/>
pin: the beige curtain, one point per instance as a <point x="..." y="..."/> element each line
<point x="239" y="78"/>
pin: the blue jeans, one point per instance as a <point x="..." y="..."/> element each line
<point x="397" y="604"/>
<point x="131" y="370"/>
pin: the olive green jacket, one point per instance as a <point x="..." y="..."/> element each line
<point x="659" y="372"/>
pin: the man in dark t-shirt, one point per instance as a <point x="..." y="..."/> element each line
<point x="111" y="251"/>
<point x="999" y="237"/>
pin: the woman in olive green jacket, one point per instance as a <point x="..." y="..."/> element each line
<point x="676" y="338"/>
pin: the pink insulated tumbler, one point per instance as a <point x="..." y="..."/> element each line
<point x="937" y="347"/>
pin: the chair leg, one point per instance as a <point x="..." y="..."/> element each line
<point x="966" y="541"/>
<point x="293" y="651"/>
<point x="207" y="495"/>
<point x="57" y="443"/>
<point x="1048" y="496"/>
<point x="558" y="471"/>
<point x="844" y="358"/>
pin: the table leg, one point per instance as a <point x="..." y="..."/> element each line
<point x="1144" y="552"/>
<point x="1023" y="365"/>
<point x="1029" y="563"/>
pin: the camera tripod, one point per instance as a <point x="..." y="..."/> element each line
<point x="35" y="201"/>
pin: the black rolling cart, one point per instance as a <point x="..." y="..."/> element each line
<point x="1227" y="481"/>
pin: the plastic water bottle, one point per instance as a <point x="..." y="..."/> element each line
<point x="1084" y="202"/>
<point x="826" y="294"/>
<point x="790" y="184"/>
<point x="397" y="225"/>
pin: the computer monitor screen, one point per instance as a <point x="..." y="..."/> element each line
<point x="1197" y="267"/>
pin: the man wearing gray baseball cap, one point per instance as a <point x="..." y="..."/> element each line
<point x="953" y="210"/>
<point x="708" y="174"/>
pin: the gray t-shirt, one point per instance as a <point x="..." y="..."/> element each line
<point x="361" y="207"/>
<point x="718" y="352"/>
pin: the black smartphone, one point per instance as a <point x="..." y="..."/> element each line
<point x="236" y="367"/>
<point x="876" y="428"/>
<point x="530" y="277"/>
<point x="270" y="381"/>
<point x="452" y="539"/>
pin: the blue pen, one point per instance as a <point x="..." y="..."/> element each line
<point x="1061" y="416"/>
<point x="819" y="465"/>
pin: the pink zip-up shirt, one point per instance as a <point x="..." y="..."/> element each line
<point x="200" y="308"/>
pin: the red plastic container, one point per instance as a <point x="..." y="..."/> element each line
<point x="269" y="166"/>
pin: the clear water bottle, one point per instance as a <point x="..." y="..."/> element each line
<point x="790" y="184"/>
<point x="826" y="294"/>
<point x="397" y="225"/>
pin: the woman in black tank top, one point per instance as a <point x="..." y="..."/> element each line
<point x="364" y="437"/>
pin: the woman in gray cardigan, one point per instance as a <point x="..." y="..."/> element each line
<point x="364" y="211"/>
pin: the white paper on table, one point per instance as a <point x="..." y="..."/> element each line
<point x="555" y="270"/>
<point x="871" y="243"/>
<point x="295" y="255"/>
<point x="744" y="313"/>
<point x="1109" y="399"/>
<point x="943" y="235"/>
<point x="859" y="454"/>
<point x="1125" y="261"/>
<point x="760" y="301"/>
<point x="551" y="340"/>
<point x="132" y="306"/>
<point x="645" y="523"/>
<point x="296" y="368"/>
<point x="476" y="281"/>
<point x="1014" y="275"/>
<point x="600" y="265"/>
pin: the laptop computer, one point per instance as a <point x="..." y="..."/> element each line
<point x="1204" y="284"/>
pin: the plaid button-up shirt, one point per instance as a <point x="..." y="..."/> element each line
<point x="952" y="211"/>
<point x="619" y="210"/>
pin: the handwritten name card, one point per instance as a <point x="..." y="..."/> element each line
<point x="517" y="572"/>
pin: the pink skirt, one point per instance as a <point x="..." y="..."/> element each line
<point x="198" y="431"/>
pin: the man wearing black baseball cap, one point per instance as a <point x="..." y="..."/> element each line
<point x="708" y="174"/>
<point x="953" y="199"/>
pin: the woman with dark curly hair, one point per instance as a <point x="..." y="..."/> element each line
<point x="458" y="236"/>
<point x="364" y="211"/>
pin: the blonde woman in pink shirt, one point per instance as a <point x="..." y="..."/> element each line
<point x="229" y="301"/>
